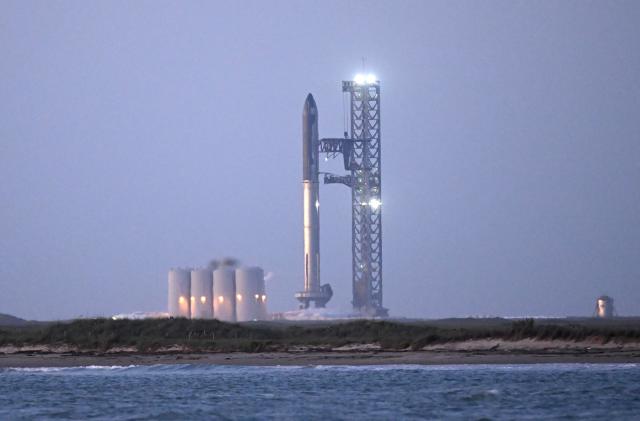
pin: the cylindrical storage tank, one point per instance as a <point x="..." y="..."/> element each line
<point x="179" y="293"/>
<point x="251" y="299"/>
<point x="201" y="294"/>
<point x="604" y="307"/>
<point x="224" y="294"/>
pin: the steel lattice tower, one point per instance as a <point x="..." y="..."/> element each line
<point x="361" y="151"/>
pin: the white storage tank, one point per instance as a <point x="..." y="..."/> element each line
<point x="201" y="294"/>
<point x="604" y="307"/>
<point x="179" y="293"/>
<point x="224" y="294"/>
<point x="251" y="299"/>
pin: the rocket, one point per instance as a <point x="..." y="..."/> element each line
<point x="310" y="198"/>
<point x="311" y="209"/>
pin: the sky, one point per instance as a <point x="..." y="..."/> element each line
<point x="140" y="136"/>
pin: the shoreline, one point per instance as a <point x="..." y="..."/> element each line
<point x="34" y="360"/>
<point x="106" y="342"/>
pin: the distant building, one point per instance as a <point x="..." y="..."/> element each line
<point x="604" y="307"/>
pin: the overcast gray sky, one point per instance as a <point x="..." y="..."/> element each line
<point x="138" y="136"/>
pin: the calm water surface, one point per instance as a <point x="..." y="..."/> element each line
<point x="546" y="391"/>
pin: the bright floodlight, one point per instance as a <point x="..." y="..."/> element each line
<point x="375" y="203"/>
<point x="362" y="79"/>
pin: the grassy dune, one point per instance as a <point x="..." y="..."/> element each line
<point x="150" y="335"/>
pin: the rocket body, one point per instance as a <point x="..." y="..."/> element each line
<point x="311" y="197"/>
<point x="313" y="291"/>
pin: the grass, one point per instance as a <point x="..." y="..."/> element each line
<point x="99" y="335"/>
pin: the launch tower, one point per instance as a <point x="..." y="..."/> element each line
<point x="361" y="152"/>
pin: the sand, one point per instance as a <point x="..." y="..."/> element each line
<point x="468" y="352"/>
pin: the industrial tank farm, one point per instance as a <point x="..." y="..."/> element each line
<point x="226" y="293"/>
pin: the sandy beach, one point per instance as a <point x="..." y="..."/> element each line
<point x="26" y="359"/>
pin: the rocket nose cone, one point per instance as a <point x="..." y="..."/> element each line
<point x="309" y="103"/>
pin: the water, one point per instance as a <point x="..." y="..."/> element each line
<point x="545" y="391"/>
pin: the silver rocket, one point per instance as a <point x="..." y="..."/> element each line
<point x="313" y="291"/>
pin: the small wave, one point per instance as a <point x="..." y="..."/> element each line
<point x="385" y="367"/>
<point x="189" y="369"/>
<point x="481" y="395"/>
<point x="556" y="367"/>
<point x="67" y="369"/>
